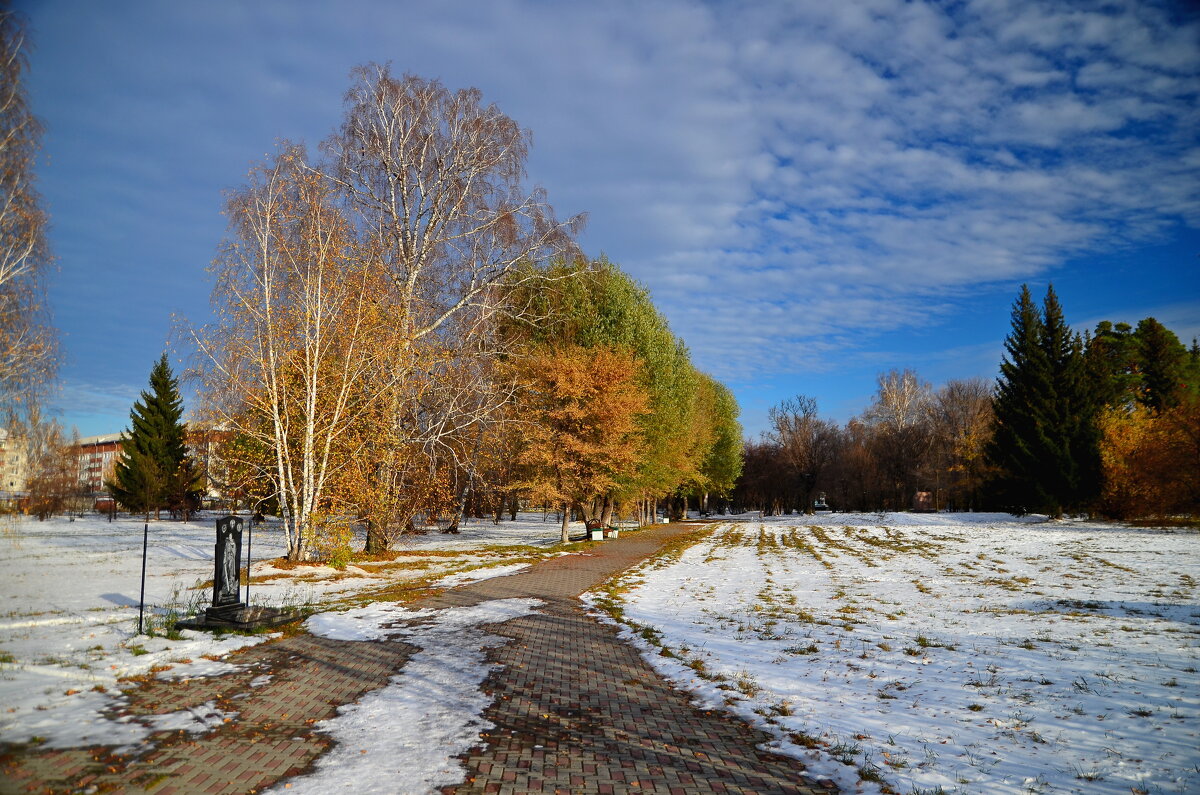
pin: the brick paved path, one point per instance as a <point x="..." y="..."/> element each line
<point x="270" y="738"/>
<point x="610" y="727"/>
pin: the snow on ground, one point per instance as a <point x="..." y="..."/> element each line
<point x="412" y="730"/>
<point x="68" y="626"/>
<point x="976" y="653"/>
<point x="479" y="575"/>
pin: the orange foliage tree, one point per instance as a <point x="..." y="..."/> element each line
<point x="1151" y="460"/>
<point x="582" y="407"/>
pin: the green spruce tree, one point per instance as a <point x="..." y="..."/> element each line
<point x="1045" y="442"/>
<point x="1017" y="442"/>
<point x="1112" y="363"/>
<point x="1193" y="369"/>
<point x="1164" y="365"/>
<point x="1074" y="478"/>
<point x="154" y="470"/>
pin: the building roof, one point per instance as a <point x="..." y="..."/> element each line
<point x="102" y="439"/>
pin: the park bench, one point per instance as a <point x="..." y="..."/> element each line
<point x="598" y="531"/>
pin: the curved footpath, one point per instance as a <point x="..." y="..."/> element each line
<point x="575" y="709"/>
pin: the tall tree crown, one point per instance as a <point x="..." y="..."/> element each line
<point x="155" y="470"/>
<point x="28" y="343"/>
<point x="1164" y="365"/>
<point x="1045" y="437"/>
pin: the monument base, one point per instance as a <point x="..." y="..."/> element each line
<point x="240" y="617"/>
<point x="235" y="612"/>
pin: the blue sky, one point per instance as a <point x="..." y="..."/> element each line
<point x="814" y="192"/>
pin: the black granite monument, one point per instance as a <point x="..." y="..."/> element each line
<point x="228" y="611"/>
<point x="227" y="587"/>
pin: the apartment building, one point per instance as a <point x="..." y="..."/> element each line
<point x="97" y="460"/>
<point x="14" y="466"/>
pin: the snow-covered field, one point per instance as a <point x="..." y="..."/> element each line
<point x="975" y="653"/>
<point x="68" y="625"/>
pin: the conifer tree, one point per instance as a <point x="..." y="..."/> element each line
<point x="1073" y="478"/>
<point x="1021" y="392"/>
<point x="154" y="470"/>
<point x="1045" y="440"/>
<point x="1193" y="368"/>
<point x="1164" y="364"/>
<point x="1111" y="357"/>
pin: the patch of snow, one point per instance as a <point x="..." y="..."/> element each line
<point x="479" y="575"/>
<point x="412" y="730"/>
<point x="70" y="606"/>
<point x="361" y="623"/>
<point x="194" y="720"/>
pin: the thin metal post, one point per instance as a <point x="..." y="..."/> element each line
<point x="142" y="598"/>
<point x="249" y="542"/>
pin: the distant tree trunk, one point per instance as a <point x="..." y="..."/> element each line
<point x="566" y="521"/>
<point x="461" y="504"/>
<point x="377" y="541"/>
<point x="607" y="514"/>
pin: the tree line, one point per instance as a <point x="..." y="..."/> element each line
<point x="405" y="333"/>
<point x="910" y="439"/>
<point x="1107" y="422"/>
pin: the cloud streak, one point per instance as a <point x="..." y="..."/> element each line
<point x="919" y="152"/>
<point x="798" y="183"/>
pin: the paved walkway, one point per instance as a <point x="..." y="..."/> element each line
<point x="611" y="726"/>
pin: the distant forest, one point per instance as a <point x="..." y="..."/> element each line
<point x="1106" y="422"/>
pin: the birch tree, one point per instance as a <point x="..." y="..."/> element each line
<point x="356" y="287"/>
<point x="295" y="321"/>
<point x="900" y="419"/>
<point x="28" y="344"/>
<point x="962" y="420"/>
<point x="433" y="183"/>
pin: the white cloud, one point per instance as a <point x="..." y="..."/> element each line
<point x="86" y="401"/>
<point x="922" y="152"/>
<point x="790" y="179"/>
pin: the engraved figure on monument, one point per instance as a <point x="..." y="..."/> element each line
<point x="227" y="582"/>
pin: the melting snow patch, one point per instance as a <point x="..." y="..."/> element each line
<point x="479" y="575"/>
<point x="194" y="720"/>
<point x="431" y="712"/>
